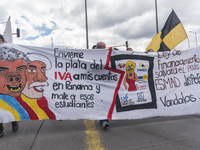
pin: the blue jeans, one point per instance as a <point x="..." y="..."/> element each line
<point x="102" y="121"/>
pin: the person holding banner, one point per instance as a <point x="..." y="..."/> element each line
<point x="101" y="45"/>
<point x="149" y="50"/>
<point x="129" y="49"/>
<point x="105" y="122"/>
<point x="94" y="47"/>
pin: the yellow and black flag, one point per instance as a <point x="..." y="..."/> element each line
<point x="171" y="35"/>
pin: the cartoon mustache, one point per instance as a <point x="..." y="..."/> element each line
<point x="38" y="84"/>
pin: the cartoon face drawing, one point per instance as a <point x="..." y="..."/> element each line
<point x="130" y="66"/>
<point x="130" y="76"/>
<point x="36" y="80"/>
<point x="12" y="77"/>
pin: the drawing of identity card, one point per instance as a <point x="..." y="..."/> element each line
<point x="137" y="89"/>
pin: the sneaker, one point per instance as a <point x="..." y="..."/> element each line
<point x="105" y="125"/>
<point x="1" y="134"/>
<point x="15" y="126"/>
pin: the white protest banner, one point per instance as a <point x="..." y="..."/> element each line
<point x="44" y="83"/>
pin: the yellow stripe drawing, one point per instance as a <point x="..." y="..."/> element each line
<point x="7" y="107"/>
<point x="33" y="104"/>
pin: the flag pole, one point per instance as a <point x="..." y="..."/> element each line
<point x="156" y="16"/>
<point x="86" y="25"/>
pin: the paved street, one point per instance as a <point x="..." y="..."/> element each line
<point x="162" y="133"/>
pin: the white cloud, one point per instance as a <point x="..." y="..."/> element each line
<point x="113" y="22"/>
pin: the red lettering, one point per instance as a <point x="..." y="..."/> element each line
<point x="65" y="76"/>
<point x="56" y="75"/>
<point x="68" y="75"/>
<point x="61" y="77"/>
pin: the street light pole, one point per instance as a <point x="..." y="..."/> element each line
<point x="195" y="36"/>
<point x="86" y="24"/>
<point x="156" y="16"/>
